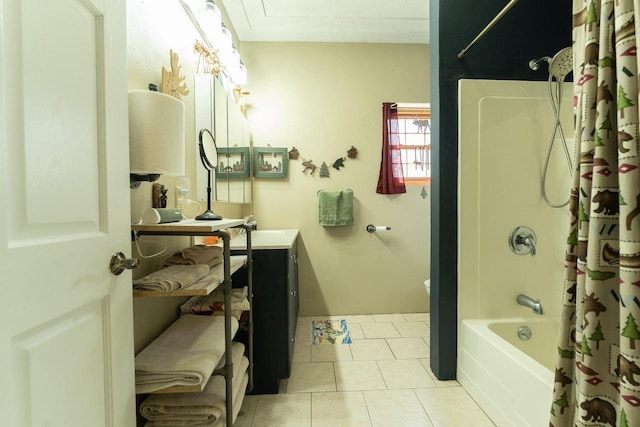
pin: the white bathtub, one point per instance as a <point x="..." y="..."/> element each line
<point x="511" y="379"/>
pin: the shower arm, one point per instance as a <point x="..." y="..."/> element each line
<point x="488" y="27"/>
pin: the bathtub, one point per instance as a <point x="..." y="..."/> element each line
<point x="511" y="379"/>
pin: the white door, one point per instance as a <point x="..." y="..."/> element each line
<point x="66" y="340"/>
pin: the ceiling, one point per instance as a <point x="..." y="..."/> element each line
<point x="355" y="21"/>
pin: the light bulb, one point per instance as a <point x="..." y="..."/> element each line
<point x="234" y="61"/>
<point x="224" y="45"/>
<point x="240" y="76"/>
<point x="210" y="21"/>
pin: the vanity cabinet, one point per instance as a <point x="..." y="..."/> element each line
<point x="275" y="305"/>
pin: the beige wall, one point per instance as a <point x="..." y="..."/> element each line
<point x="153" y="28"/>
<point x="323" y="98"/>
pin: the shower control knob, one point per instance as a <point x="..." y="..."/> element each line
<point x="522" y="241"/>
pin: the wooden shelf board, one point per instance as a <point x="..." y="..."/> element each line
<point x="188" y="225"/>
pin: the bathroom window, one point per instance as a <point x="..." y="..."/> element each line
<point x="414" y="126"/>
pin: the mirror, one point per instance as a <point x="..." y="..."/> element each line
<point x="215" y="109"/>
<point x="238" y="137"/>
<point x="208" y="150"/>
<point x="209" y="158"/>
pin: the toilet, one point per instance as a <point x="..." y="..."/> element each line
<point x="427" y="286"/>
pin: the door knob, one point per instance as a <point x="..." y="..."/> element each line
<point x="119" y="263"/>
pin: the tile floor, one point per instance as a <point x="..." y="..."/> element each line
<point x="381" y="379"/>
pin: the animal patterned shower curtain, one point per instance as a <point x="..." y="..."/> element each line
<point x="597" y="376"/>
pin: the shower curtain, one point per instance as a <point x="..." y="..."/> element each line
<point x="597" y="376"/>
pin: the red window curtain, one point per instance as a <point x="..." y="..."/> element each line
<point x="391" y="179"/>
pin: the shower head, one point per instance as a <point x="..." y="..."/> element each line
<point x="561" y="64"/>
<point x="534" y="64"/>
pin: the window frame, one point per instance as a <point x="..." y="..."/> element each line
<point x="412" y="112"/>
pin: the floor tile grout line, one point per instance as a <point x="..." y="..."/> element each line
<point x="391" y="348"/>
<point x="335" y="378"/>
<point x="396" y="329"/>
<point x="386" y="385"/>
<point x="366" y="404"/>
<point x="253" y="417"/>
<point x="415" y="393"/>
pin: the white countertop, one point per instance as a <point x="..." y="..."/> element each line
<point x="266" y="239"/>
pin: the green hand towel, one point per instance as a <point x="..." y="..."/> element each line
<point x="335" y="208"/>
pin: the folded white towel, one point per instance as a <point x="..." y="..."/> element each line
<point x="172" y="278"/>
<point x="198" y="254"/>
<point x="238" y="398"/>
<point x="185" y="354"/>
<point x="215" y="302"/>
<point x="198" y="409"/>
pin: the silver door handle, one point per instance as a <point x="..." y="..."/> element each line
<point x="119" y="263"/>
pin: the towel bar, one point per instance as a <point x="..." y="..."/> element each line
<point x="318" y="192"/>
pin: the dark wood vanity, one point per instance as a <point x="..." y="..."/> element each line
<point x="275" y="304"/>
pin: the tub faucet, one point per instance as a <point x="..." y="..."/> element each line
<point x="533" y="304"/>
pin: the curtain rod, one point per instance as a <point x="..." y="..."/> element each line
<point x="488" y="27"/>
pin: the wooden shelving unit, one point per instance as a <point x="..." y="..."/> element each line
<point x="230" y="265"/>
<point x="236" y="262"/>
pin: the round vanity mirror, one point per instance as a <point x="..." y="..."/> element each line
<point x="209" y="158"/>
<point x="208" y="149"/>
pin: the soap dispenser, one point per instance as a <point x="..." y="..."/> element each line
<point x="189" y="208"/>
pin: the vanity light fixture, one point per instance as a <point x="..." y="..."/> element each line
<point x="211" y="22"/>
<point x="207" y="19"/>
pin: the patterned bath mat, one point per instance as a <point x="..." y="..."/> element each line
<point x="330" y="332"/>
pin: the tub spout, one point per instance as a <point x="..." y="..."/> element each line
<point x="533" y="304"/>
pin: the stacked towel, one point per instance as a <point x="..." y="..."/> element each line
<point x="214" y="302"/>
<point x="198" y="254"/>
<point x="206" y="408"/>
<point x="238" y="398"/>
<point x="214" y="275"/>
<point x="335" y="208"/>
<point x="172" y="278"/>
<point x="185" y="354"/>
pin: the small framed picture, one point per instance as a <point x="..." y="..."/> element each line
<point x="270" y="162"/>
<point x="233" y="162"/>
